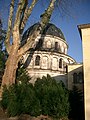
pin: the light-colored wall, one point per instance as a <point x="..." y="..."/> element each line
<point x="35" y="73"/>
<point x="49" y="42"/>
<point x="85" y="34"/>
<point x="74" y="68"/>
<point x="49" y="60"/>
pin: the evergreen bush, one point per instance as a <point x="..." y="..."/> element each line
<point x="53" y="97"/>
<point x="20" y="97"/>
<point x="46" y="97"/>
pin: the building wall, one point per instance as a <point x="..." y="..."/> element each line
<point x="74" y="70"/>
<point x="35" y="73"/>
<point x="49" y="64"/>
<point x="50" y="56"/>
<point x="85" y="35"/>
<point x="48" y="42"/>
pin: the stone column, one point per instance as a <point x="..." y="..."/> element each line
<point x="85" y="36"/>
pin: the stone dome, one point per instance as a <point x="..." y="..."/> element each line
<point x="50" y="54"/>
<point x="50" y="29"/>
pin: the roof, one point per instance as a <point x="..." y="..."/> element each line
<point x="50" y="29"/>
<point x="83" y="26"/>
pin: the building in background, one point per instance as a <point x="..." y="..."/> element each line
<point x="50" y="57"/>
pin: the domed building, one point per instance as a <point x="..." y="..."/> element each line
<point x="50" y="55"/>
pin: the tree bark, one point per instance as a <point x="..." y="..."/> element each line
<point x="43" y="22"/>
<point x="27" y="13"/>
<point x="12" y="61"/>
<point x="15" y="53"/>
<point x="9" y="30"/>
<point x="10" y="70"/>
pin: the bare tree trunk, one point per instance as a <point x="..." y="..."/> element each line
<point x="15" y="53"/>
<point x="10" y="70"/>
<point x="12" y="61"/>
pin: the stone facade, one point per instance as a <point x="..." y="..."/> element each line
<point x="75" y="76"/>
<point x="50" y="56"/>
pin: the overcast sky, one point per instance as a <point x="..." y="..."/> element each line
<point x="78" y="14"/>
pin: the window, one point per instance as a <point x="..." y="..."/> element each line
<point x="66" y="69"/>
<point x="80" y="77"/>
<point x="56" y="45"/>
<point x="60" y="63"/>
<point x="75" y="77"/>
<point x="37" y="60"/>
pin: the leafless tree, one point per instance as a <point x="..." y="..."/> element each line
<point x="16" y="26"/>
<point x="15" y="30"/>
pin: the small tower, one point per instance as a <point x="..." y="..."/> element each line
<point x="84" y="31"/>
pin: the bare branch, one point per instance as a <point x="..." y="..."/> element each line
<point x="9" y="30"/>
<point x="24" y="11"/>
<point x="45" y="17"/>
<point x="16" y="31"/>
<point x="19" y="12"/>
<point x="27" y="13"/>
<point x="30" y="42"/>
<point x="44" y="20"/>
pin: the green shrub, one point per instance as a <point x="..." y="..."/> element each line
<point x="30" y="104"/>
<point x="5" y="98"/>
<point x="13" y="104"/>
<point x="20" y="98"/>
<point x="2" y="64"/>
<point x="53" y="97"/>
<point x="22" y="75"/>
<point x="46" y="97"/>
<point x="9" y="100"/>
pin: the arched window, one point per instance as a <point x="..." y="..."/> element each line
<point x="56" y="45"/>
<point x="75" y="77"/>
<point x="80" y="77"/>
<point x="60" y="63"/>
<point x="37" y="60"/>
